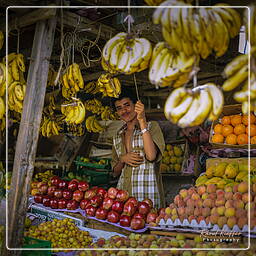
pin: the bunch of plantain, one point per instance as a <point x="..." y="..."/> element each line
<point x="76" y="129"/>
<point x="74" y="111"/>
<point x="52" y="74"/>
<point x="197" y="31"/>
<point x="187" y="108"/>
<point x="127" y="54"/>
<point x="92" y="87"/>
<point x="16" y="66"/>
<point x="50" y="127"/>
<point x="94" y="106"/>
<point x="107" y="114"/>
<point x="168" y="67"/>
<point x="16" y="95"/>
<point x="92" y="125"/>
<point x="157" y="2"/>
<point x="2" y="108"/>
<point x="72" y="81"/>
<point x="109" y="86"/>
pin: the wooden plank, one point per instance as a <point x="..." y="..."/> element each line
<point x="29" y="18"/>
<point x="82" y="23"/>
<point x="29" y="132"/>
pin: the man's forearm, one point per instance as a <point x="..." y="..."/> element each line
<point x="118" y="168"/>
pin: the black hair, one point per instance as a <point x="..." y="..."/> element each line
<point x="126" y="93"/>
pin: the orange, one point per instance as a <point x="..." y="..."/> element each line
<point x="226" y="130"/>
<point x="252" y="130"/>
<point x="242" y="139"/>
<point x="236" y="119"/>
<point x="217" y="138"/>
<point x="225" y="120"/>
<point x="253" y="140"/>
<point x="252" y="119"/>
<point x="218" y="128"/>
<point x="239" y="129"/>
<point x="231" y="139"/>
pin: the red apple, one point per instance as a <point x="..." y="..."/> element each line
<point x="63" y="184"/>
<point x="122" y="195"/>
<point x="90" y="210"/>
<point x="89" y="194"/>
<point x="137" y="223"/>
<point x="38" y="198"/>
<point x="46" y="201"/>
<point x="139" y="216"/>
<point x="67" y="194"/>
<point x="107" y="203"/>
<point x="113" y="217"/>
<point x="43" y="189"/>
<point x="161" y="211"/>
<point x="57" y="193"/>
<point x="143" y="208"/>
<point x="62" y="203"/>
<point x="112" y="192"/>
<point x="118" y="206"/>
<point x="96" y="201"/>
<point x="72" y="205"/>
<point x="84" y="203"/>
<point x="149" y="202"/>
<point x="95" y="188"/>
<point x="55" y="180"/>
<point x="72" y="185"/>
<point x="125" y="221"/>
<point x="54" y="203"/>
<point x="102" y="192"/>
<point x="151" y="217"/>
<point x="51" y="189"/>
<point x="83" y="186"/>
<point x="134" y="201"/>
<point x="78" y="195"/>
<point x="129" y="209"/>
<point x="101" y="213"/>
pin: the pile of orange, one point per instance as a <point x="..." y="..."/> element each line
<point x="235" y="130"/>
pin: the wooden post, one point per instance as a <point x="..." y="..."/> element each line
<point x="28" y="133"/>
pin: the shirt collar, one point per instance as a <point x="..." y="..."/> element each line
<point x="124" y="127"/>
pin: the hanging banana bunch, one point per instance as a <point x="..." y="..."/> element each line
<point x="92" y="87"/>
<point x="52" y="74"/>
<point x="16" y="95"/>
<point x="107" y="114"/>
<point x="126" y="54"/>
<point x="94" y="106"/>
<point x="169" y="67"/>
<point x="76" y="129"/>
<point x="72" y="81"/>
<point x="197" y="30"/>
<point x="74" y="111"/>
<point x="92" y="125"/>
<point x="1" y="39"/>
<point x="2" y="108"/>
<point x="187" y="108"/>
<point x="50" y="126"/>
<point x="4" y="78"/>
<point x="109" y="86"/>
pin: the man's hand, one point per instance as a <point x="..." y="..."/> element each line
<point x="140" y="110"/>
<point x="132" y="159"/>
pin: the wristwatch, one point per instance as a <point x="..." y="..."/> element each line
<point x="144" y="130"/>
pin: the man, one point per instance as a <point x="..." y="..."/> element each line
<point x="137" y="148"/>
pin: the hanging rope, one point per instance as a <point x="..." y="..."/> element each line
<point x="129" y="19"/>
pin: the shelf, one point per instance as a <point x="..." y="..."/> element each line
<point x="101" y="145"/>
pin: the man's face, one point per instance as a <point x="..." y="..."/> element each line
<point x="125" y="109"/>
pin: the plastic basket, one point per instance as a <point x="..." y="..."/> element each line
<point x="36" y="243"/>
<point x="80" y="163"/>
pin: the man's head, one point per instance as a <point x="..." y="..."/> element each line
<point x="125" y="105"/>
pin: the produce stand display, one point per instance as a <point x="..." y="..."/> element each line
<point x="63" y="70"/>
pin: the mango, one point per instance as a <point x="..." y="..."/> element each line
<point x="231" y="170"/>
<point x="219" y="170"/>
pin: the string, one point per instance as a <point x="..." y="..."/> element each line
<point x="18" y="42"/>
<point x="129" y="15"/>
<point x="136" y="86"/>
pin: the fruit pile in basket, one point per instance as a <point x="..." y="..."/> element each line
<point x="235" y="129"/>
<point x="172" y="158"/>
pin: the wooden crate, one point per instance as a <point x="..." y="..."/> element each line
<point x="227" y="111"/>
<point x="213" y="161"/>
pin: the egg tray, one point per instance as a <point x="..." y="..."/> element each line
<point x="185" y="225"/>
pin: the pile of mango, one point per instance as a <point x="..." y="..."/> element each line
<point x="226" y="174"/>
<point x="172" y="158"/>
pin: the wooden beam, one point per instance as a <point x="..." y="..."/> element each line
<point x="29" y="18"/>
<point x="80" y="23"/>
<point x="26" y="146"/>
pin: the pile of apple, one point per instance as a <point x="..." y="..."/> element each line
<point x="112" y="205"/>
<point x="216" y="206"/>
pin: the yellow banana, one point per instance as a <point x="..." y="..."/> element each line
<point x="20" y="62"/>
<point x="15" y="70"/>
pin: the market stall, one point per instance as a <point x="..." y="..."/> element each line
<point x="189" y="66"/>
